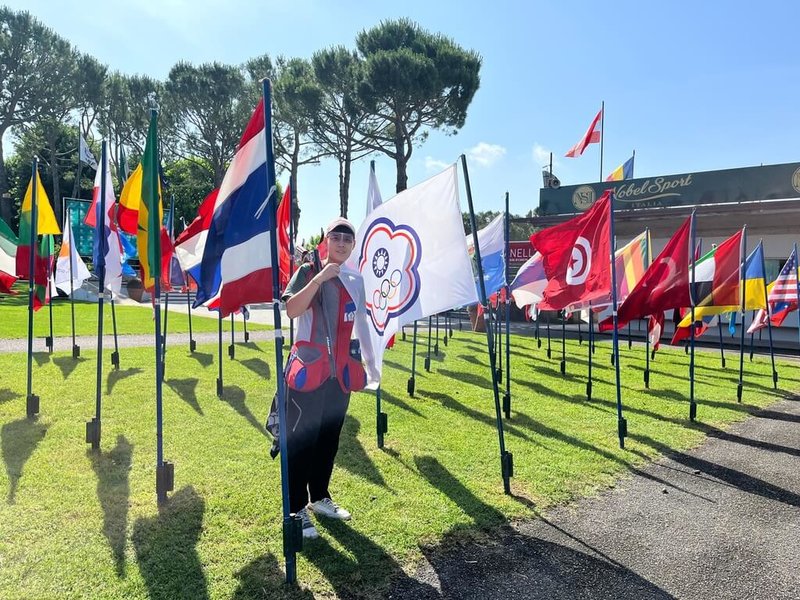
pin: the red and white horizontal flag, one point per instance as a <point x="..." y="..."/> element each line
<point x="592" y="136"/>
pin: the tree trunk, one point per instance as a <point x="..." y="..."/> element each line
<point x="344" y="191"/>
<point x="5" y="203"/>
<point x="400" y="161"/>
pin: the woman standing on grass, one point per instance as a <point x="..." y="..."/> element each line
<point x="324" y="366"/>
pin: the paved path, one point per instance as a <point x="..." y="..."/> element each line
<point x="720" y="521"/>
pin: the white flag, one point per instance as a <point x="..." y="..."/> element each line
<point x="374" y="199"/>
<point x="61" y="276"/>
<point x="85" y="155"/>
<point x="413" y="259"/>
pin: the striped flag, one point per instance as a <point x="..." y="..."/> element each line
<point x="782" y="296"/>
<point x="592" y="136"/>
<point x="111" y="260"/>
<point x="8" y="258"/>
<point x="624" y="171"/>
<point x="237" y="259"/>
<point x="529" y="284"/>
<point x="78" y="271"/>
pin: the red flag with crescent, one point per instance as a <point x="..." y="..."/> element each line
<point x="665" y="284"/>
<point x="576" y="257"/>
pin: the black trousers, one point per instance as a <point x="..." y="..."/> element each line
<point x="314" y="422"/>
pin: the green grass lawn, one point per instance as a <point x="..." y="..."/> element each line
<point x="77" y="524"/>
<point x="130" y="319"/>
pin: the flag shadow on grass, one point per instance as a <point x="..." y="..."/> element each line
<point x="19" y="440"/>
<point x="67" y="364"/>
<point x="364" y="570"/>
<point x="467" y="568"/>
<point x="234" y="395"/>
<point x="263" y="578"/>
<point x="112" y="469"/>
<point x="115" y="376"/>
<point x="204" y="358"/>
<point x="352" y="457"/>
<point x="41" y="358"/>
<point x="258" y="366"/>
<point x="186" y="390"/>
<point x="395" y="401"/>
<point x="165" y="549"/>
<point x="7" y="394"/>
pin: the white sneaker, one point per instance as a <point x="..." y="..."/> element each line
<point x="328" y="508"/>
<point x="309" y="531"/>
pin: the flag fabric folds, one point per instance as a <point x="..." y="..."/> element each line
<point x="61" y="277"/>
<point x="45" y="225"/>
<point x="576" y="256"/>
<point x="592" y="136"/>
<point x="8" y="258"/>
<point x="492" y="244"/>
<point x="42" y="288"/>
<point x="529" y="284"/>
<point x="624" y="171"/>
<point x="412" y="256"/>
<point x="284" y="255"/>
<point x="129" y="199"/>
<point x="236" y="268"/>
<point x="85" y="154"/>
<point x="782" y="296"/>
<point x="189" y="245"/>
<point x="374" y="199"/>
<point x="664" y="285"/>
<point x="150" y="210"/>
<point x="111" y="260"/>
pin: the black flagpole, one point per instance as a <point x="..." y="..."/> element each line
<point x="622" y="424"/>
<point x="49" y="339"/>
<point x="115" y="353"/>
<point x="752" y="337"/>
<point x="589" y="354"/>
<point x="32" y="400"/>
<point x="436" y="343"/>
<point x="232" y="347"/>
<point x="692" y="403"/>
<point x="563" y="342"/>
<point x="192" y="343"/>
<point x="721" y="347"/>
<point x="507" y="396"/>
<point x="428" y="356"/>
<point x="76" y="350"/>
<point x="411" y="380"/>
<point x="292" y="528"/>
<point x="93" y="427"/>
<point x="549" y="351"/>
<point x="741" y="338"/>
<point x="506" y="458"/>
<point x="292" y="200"/>
<point x="769" y="317"/>
<point x="499" y="345"/>
<point x="219" y="344"/>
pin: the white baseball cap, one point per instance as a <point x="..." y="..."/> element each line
<point x="340" y="222"/>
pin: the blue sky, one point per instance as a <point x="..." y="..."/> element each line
<point x="690" y="86"/>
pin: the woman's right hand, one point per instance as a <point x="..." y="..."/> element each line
<point x="329" y="271"/>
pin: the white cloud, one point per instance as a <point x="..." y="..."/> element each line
<point x="486" y="154"/>
<point x="433" y="165"/>
<point x="541" y="155"/>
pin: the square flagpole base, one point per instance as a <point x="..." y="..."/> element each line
<point x="231" y="351"/>
<point x="507" y="461"/>
<point x="383" y="423"/>
<point x="219" y="387"/>
<point x="115" y="360"/>
<point x="549" y="353"/>
<point x="48" y="341"/>
<point x="32" y="405"/>
<point x="445" y="339"/>
<point x="775" y="379"/>
<point x="292" y="535"/>
<point x="499" y="375"/>
<point x="246" y="336"/>
<point x="563" y="367"/>
<point x="427" y="364"/>
<point x="93" y="433"/>
<point x="588" y="390"/>
<point x="410" y="386"/>
<point x="192" y="345"/>
<point x="622" y="431"/>
<point x="692" y="411"/>
<point x="165" y="480"/>
<point x="507" y="405"/>
<point x="76" y="351"/>
<point x="647" y="379"/>
<point x="436" y="349"/>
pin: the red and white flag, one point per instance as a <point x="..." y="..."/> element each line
<point x="577" y="257"/>
<point x="592" y="136"/>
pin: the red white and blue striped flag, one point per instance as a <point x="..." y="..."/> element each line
<point x="236" y="268"/>
<point x="782" y="296"/>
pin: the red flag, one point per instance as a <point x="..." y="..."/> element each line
<point x="664" y="286"/>
<point x="655" y="326"/>
<point x="576" y="257"/>
<point x="202" y="221"/>
<point x="284" y="256"/>
<point x="592" y="136"/>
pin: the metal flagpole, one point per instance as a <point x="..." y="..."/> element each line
<point x="589" y="353"/>
<point x="549" y="350"/>
<point x="292" y="200"/>
<point x="428" y="356"/>
<point x="752" y="336"/>
<point x="506" y="458"/>
<point x="192" y="343"/>
<point x="412" y="380"/>
<point x="769" y="316"/>
<point x="797" y="272"/>
<point x="93" y="427"/>
<point x="244" y="327"/>
<point x="232" y="347"/>
<point x="49" y="339"/>
<point x="76" y="350"/>
<point x="32" y="400"/>
<point x="292" y="527"/>
<point x="563" y="342"/>
<point x="169" y="285"/>
<point x="436" y="343"/>
<point x="630" y="338"/>
<point x="692" y="403"/>
<point x="499" y="346"/>
<point x="647" y="332"/>
<point x="219" y="348"/>
<point x="721" y="347"/>
<point x="742" y="259"/>
<point x="602" y="134"/>
<point x="381" y="418"/>
<point x="622" y="424"/>
<point x="507" y="396"/>
<point x="536" y="334"/>
<point x="115" y="353"/>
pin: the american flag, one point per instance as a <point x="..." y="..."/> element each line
<point x="782" y="296"/>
